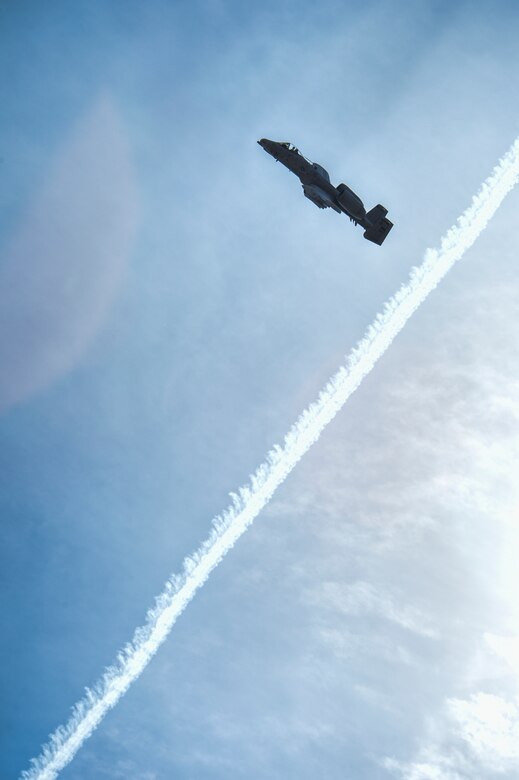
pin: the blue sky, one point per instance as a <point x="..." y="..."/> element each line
<point x="170" y="302"/>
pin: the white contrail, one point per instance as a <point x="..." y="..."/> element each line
<point x="250" y="500"/>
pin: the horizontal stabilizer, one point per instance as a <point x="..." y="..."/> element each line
<point x="377" y="225"/>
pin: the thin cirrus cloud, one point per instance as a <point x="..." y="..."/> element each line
<point x="362" y="598"/>
<point x="475" y="731"/>
<point x="489" y="724"/>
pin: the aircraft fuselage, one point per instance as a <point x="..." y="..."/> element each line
<point x="318" y="188"/>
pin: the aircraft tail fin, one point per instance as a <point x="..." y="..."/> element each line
<point x="377" y="225"/>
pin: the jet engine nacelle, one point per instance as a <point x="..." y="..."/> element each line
<point x="351" y="202"/>
<point x="319" y="197"/>
<point x="322" y="171"/>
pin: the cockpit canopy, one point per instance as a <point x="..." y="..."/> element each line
<point x="289" y="146"/>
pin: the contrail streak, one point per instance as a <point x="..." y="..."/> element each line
<point x="250" y="500"/>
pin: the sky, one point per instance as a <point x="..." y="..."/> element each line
<point x="170" y="303"/>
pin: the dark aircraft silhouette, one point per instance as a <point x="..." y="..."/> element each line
<point x="318" y="189"/>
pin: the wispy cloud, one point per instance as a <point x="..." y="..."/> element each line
<point x="481" y="739"/>
<point x="489" y="724"/>
<point x="507" y="648"/>
<point x="362" y="598"/>
<point x="477" y="735"/>
<point x="249" y="500"/>
<point x="430" y="766"/>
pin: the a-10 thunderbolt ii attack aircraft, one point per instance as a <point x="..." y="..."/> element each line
<point x="318" y="189"/>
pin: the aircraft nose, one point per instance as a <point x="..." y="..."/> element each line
<point x="267" y="145"/>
